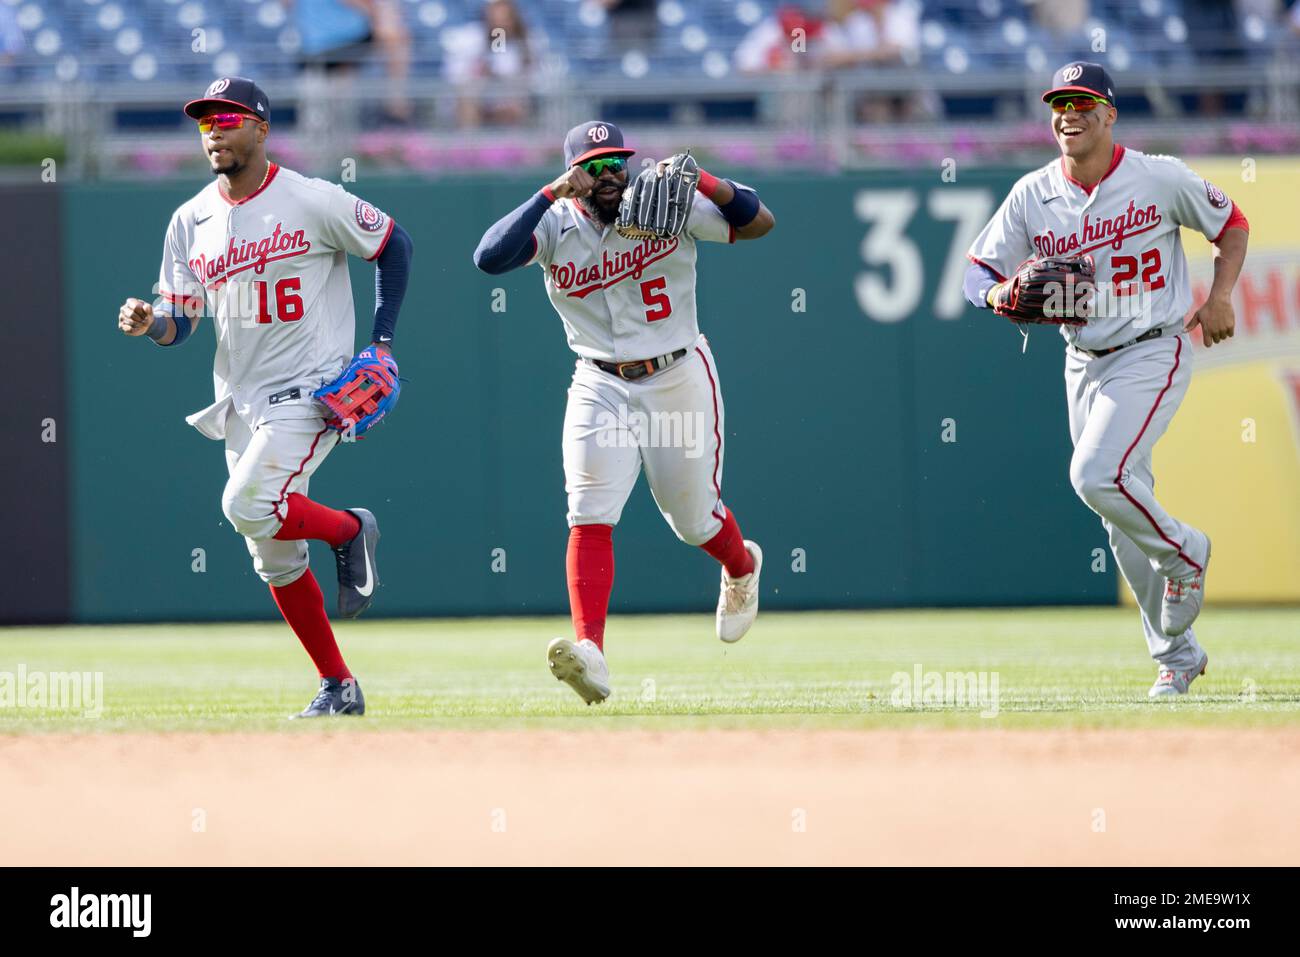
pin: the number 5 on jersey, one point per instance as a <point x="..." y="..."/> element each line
<point x="656" y="299"/>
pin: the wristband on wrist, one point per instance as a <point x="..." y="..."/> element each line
<point x="158" y="328"/>
<point x="708" y="184"/>
<point x="991" y="293"/>
<point x="548" y="193"/>
<point x="184" y="326"/>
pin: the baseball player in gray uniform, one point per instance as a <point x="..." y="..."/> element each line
<point x="263" y="251"/>
<point x="1128" y="366"/>
<point x="645" y="389"/>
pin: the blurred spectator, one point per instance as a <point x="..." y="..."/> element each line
<point x="874" y="33"/>
<point x="1063" y="19"/>
<point x="1295" y="19"/>
<point x="499" y="47"/>
<point x="631" y="23"/>
<point x="775" y="45"/>
<point x="870" y="33"/>
<point x="1270" y="11"/>
<point x="11" y="37"/>
<point x="339" y="34"/>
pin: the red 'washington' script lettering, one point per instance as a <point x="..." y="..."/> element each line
<point x="250" y="254"/>
<point x="624" y="264"/>
<point x="1100" y="232"/>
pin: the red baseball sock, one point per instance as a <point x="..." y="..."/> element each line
<point x="303" y="607"/>
<point x="589" y="566"/>
<point x="304" y="518"/>
<point x="728" y="547"/>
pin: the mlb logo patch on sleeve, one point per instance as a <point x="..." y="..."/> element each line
<point x="1218" y="199"/>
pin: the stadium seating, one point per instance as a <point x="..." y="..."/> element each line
<point x="147" y="40"/>
<point x="180" y="44"/>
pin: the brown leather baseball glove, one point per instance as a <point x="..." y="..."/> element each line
<point x="1058" y="290"/>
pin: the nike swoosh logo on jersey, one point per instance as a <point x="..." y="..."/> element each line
<point x="568" y="227"/>
<point x="202" y="219"/>
<point x="365" y="590"/>
<point x="1048" y="199"/>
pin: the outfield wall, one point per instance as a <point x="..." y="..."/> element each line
<point x="887" y="444"/>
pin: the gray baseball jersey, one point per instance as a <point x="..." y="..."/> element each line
<point x="271" y="271"/>
<point x="1129" y="222"/>
<point x="622" y="299"/>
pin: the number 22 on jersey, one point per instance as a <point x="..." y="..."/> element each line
<point x="1126" y="270"/>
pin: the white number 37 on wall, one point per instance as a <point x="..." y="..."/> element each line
<point x="893" y="290"/>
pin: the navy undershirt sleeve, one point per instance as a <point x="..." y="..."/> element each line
<point x="508" y="243"/>
<point x="391" y="277"/>
<point x="979" y="280"/>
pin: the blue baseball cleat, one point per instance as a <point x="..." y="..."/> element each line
<point x="337" y="696"/>
<point x="358" y="576"/>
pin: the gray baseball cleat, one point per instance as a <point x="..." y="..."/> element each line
<point x="1171" y="682"/>
<point x="1183" y="599"/>
<point x="738" y="599"/>
<point x="358" y="576"/>
<point x="337" y="696"/>
<point x="580" y="665"/>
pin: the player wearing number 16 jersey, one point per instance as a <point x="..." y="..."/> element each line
<point x="263" y="251"/>
<point x="1128" y="366"/>
<point x="645" y="389"/>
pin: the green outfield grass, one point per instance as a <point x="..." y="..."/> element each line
<point x="1054" y="668"/>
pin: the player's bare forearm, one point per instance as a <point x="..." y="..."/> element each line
<point x="1216" y="316"/>
<point x="722" y="194"/>
<point x="1229" y="257"/>
<point x="760" y="226"/>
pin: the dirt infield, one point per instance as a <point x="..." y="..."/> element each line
<point x="630" y="797"/>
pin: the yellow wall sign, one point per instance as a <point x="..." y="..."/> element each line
<point x="1230" y="462"/>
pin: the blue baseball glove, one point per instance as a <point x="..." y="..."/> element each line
<point x="365" y="392"/>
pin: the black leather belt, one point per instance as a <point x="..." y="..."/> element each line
<point x="639" y="368"/>
<point x="1098" y="353"/>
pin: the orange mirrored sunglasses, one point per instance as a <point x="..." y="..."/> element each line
<point x="223" y="121"/>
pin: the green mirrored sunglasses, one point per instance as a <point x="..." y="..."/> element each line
<point x="615" y="164"/>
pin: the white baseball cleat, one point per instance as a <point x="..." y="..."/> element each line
<point x="738" y="599"/>
<point x="1183" y="598"/>
<point x="1171" y="682"/>
<point x="581" y="666"/>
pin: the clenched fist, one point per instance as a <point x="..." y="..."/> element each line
<point x="135" y="317"/>
<point x="575" y="182"/>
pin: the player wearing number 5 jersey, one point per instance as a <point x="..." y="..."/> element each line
<point x="645" y="389"/>
<point x="1127" y="367"/>
<point x="263" y="251"/>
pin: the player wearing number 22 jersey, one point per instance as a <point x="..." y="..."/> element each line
<point x="263" y="251"/>
<point x="645" y="389"/>
<point x="1128" y="367"/>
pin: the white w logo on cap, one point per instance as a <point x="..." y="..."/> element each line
<point x="599" y="134"/>
<point x="1072" y="73"/>
<point x="218" y="87"/>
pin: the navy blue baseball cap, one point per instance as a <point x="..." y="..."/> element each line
<point x="1082" y="77"/>
<point x="591" y="139"/>
<point x="232" y="91"/>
